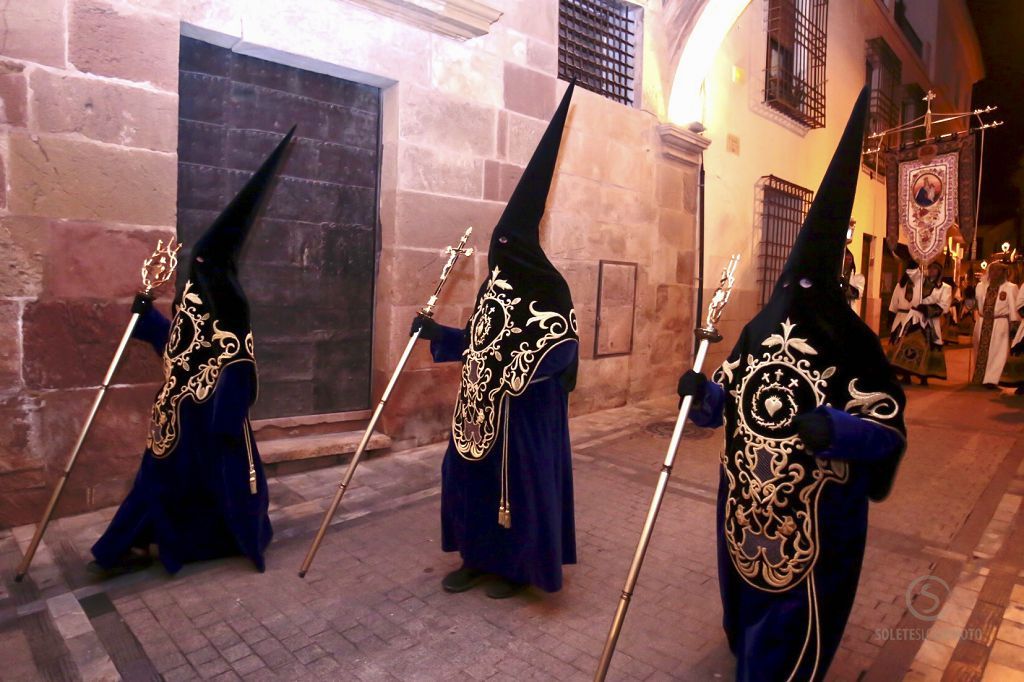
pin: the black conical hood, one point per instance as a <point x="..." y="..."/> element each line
<point x="818" y="252"/>
<point x="520" y="222"/>
<point x="223" y="240"/>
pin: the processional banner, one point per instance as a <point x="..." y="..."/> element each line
<point x="929" y="189"/>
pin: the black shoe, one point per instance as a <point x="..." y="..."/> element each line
<point x="991" y="387"/>
<point x="129" y="564"/>
<point x="501" y="588"/>
<point x="924" y="381"/>
<point x="463" y="579"/>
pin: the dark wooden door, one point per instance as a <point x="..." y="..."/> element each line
<point x="309" y="265"/>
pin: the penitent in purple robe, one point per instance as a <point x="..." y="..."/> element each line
<point x="195" y="504"/>
<point x="542" y="535"/>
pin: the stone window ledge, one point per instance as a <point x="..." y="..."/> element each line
<point x="459" y="19"/>
<point x="681" y="144"/>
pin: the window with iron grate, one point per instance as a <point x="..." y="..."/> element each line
<point x="794" y="79"/>
<point x="883" y="72"/>
<point x="597" y="44"/>
<point x="783" y="207"/>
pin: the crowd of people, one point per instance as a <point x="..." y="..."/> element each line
<point x="930" y="310"/>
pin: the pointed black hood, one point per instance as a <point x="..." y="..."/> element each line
<point x="213" y="270"/>
<point x="806" y="347"/>
<point x="516" y="237"/>
<point x="523" y="310"/>
<point x="222" y="242"/>
<point x="817" y="254"/>
<point x="211" y="329"/>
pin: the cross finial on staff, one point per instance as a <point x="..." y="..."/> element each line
<point x="453" y="253"/>
<point x="460" y="248"/>
<point x="928" y="114"/>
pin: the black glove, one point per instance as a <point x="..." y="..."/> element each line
<point x="693" y="383"/>
<point x="429" y="329"/>
<point x="815" y="430"/>
<point x="1018" y="349"/>
<point x="142" y="304"/>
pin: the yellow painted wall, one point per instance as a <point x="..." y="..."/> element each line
<point x="771" y="144"/>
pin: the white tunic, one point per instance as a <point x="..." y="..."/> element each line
<point x="857" y="282"/>
<point x="903" y="305"/>
<point x="1019" y="336"/>
<point x="941" y="296"/>
<point x="999" y="342"/>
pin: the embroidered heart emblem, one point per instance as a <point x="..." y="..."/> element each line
<point x="773" y="405"/>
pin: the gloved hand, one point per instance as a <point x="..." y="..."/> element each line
<point x="815" y="430"/>
<point x="1018" y="349"/>
<point x="693" y="383"/>
<point x="142" y="304"/>
<point x="430" y="330"/>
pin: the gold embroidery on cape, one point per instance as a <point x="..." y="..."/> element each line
<point x="479" y="407"/>
<point x="771" y="527"/>
<point x="191" y="331"/>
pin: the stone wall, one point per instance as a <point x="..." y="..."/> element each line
<point x="88" y="132"/>
<point x="88" y="151"/>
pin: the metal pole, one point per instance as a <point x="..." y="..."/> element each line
<point x="977" y="197"/>
<point x="427" y="312"/>
<point x="700" y="232"/>
<point x="347" y="478"/>
<point x="707" y="335"/>
<point x="52" y="504"/>
<point x="156" y="271"/>
<point x="645" y="534"/>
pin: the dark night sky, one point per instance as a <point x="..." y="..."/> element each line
<point x="1000" y="27"/>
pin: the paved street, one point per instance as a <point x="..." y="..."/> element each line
<point x="372" y="607"/>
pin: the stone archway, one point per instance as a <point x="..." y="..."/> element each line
<point x="695" y="29"/>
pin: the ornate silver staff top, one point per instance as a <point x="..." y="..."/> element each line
<point x="718" y="300"/>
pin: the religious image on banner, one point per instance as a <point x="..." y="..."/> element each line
<point x="930" y="188"/>
<point x="927" y="210"/>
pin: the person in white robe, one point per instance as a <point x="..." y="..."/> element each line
<point x="997" y="307"/>
<point x="1013" y="371"/>
<point x="854" y="283"/>
<point x="905" y="299"/>
<point x="919" y="303"/>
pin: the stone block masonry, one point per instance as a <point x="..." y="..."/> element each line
<point x="89" y="111"/>
<point x="88" y="138"/>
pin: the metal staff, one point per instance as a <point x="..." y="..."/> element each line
<point x="707" y="334"/>
<point x="157" y="270"/>
<point x="426" y="312"/>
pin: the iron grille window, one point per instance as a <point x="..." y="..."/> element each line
<point x="794" y="80"/>
<point x="883" y="74"/>
<point x="597" y="46"/>
<point x="783" y="209"/>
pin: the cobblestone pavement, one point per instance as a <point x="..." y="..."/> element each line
<point x="372" y="608"/>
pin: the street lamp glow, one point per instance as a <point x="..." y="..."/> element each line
<point x="686" y="104"/>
